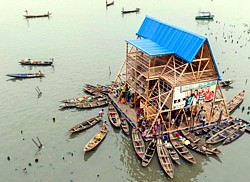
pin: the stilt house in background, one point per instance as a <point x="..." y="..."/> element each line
<point x="174" y="75"/>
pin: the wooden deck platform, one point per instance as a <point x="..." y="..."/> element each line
<point x="130" y="114"/>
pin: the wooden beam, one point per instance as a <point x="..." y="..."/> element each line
<point x="182" y="73"/>
<point x="199" y="75"/>
<point x="168" y="61"/>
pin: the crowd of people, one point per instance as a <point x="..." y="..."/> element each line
<point x="125" y="95"/>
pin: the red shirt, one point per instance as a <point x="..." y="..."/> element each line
<point x="208" y="96"/>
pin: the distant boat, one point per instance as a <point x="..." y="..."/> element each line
<point x="136" y="10"/>
<point x="36" y="63"/>
<point x="85" y="124"/>
<point x="109" y="3"/>
<point x="204" y="15"/>
<point x="37" y="16"/>
<point x="236" y="101"/>
<point x="26" y="75"/>
<point x="226" y="83"/>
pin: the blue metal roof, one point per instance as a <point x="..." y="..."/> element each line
<point x="150" y="47"/>
<point x="159" y="38"/>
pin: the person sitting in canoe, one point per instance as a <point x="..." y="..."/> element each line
<point x="104" y="126"/>
<point x="98" y="137"/>
<point x="39" y="73"/>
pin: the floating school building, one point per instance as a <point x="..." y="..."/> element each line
<point x="174" y="76"/>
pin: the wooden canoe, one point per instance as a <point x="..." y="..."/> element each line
<point x="96" y="140"/>
<point x="26" y="75"/>
<point x="109" y="3"/>
<point x="75" y="100"/>
<point x="203" y="130"/>
<point x="96" y="90"/>
<point x="239" y="120"/>
<point x="85" y="98"/>
<point x="138" y="142"/>
<point x="124" y="125"/>
<point x="31" y="62"/>
<point x="222" y="135"/>
<point x="93" y="104"/>
<point x="37" y="16"/>
<point x="113" y="116"/>
<point x="68" y="105"/>
<point x="226" y="83"/>
<point x="235" y="135"/>
<point x="172" y="152"/>
<point x="149" y="153"/>
<point x="219" y="127"/>
<point x="136" y="10"/>
<point x="235" y="101"/>
<point x="199" y="145"/>
<point x="181" y="149"/>
<point x="85" y="125"/>
<point x="164" y="158"/>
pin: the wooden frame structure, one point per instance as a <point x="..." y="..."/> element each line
<point x="156" y="79"/>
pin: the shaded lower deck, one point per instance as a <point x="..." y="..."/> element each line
<point x="130" y="114"/>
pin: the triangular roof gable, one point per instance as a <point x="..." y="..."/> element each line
<point x="183" y="43"/>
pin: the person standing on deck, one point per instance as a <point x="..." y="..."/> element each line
<point x="124" y="91"/>
<point x="200" y="114"/>
<point x="159" y="125"/>
<point x="178" y="122"/>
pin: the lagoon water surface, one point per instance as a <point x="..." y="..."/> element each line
<point x="86" y="39"/>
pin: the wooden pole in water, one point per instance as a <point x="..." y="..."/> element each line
<point x="39" y="90"/>
<point x="35" y="143"/>
<point x="39" y="142"/>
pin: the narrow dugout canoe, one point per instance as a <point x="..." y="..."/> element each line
<point x="235" y="135"/>
<point x="235" y="101"/>
<point x="85" y="125"/>
<point x="124" y="125"/>
<point x="138" y="142"/>
<point x="31" y="62"/>
<point x="181" y="149"/>
<point x="172" y="152"/>
<point x="113" y="116"/>
<point x="222" y="135"/>
<point x="96" y="140"/>
<point x="164" y="158"/>
<point x="26" y="75"/>
<point x="149" y="153"/>
<point x="199" y="144"/>
<point x="219" y="127"/>
<point x="93" y="104"/>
